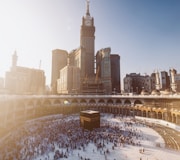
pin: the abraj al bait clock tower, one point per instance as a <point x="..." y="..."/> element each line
<point x="87" y="39"/>
<point x="79" y="74"/>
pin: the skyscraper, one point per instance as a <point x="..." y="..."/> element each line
<point x="103" y="65"/>
<point x="59" y="61"/>
<point x="165" y="80"/>
<point x="81" y="67"/>
<point x="87" y="39"/>
<point x="115" y="73"/>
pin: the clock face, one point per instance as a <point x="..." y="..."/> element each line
<point x="88" y="22"/>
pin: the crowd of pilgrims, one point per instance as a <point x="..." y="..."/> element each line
<point x="61" y="135"/>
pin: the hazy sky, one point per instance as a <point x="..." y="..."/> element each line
<point x="145" y="33"/>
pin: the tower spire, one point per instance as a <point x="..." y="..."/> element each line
<point x="14" y="59"/>
<point x="87" y="7"/>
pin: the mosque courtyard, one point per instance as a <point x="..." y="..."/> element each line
<point x="60" y="137"/>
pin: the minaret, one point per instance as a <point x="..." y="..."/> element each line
<point x="157" y="81"/>
<point x="87" y="8"/>
<point x="14" y="59"/>
<point x="173" y="83"/>
<point x="87" y="39"/>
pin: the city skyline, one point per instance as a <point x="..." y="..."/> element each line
<point x="146" y="34"/>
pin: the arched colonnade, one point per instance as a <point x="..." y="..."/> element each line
<point x="17" y="111"/>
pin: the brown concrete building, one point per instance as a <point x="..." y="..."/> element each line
<point x="23" y="80"/>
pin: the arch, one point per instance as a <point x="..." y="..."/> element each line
<point x="165" y="116"/>
<point x="140" y="106"/>
<point x="144" y="113"/>
<point x="101" y="101"/>
<point x="47" y="102"/>
<point x="92" y="101"/>
<point x="159" y="115"/>
<point x="109" y="101"/>
<point x="149" y="114"/>
<point x="174" y="118"/>
<point x="139" y="112"/>
<point x="153" y="114"/>
<point x="66" y="102"/>
<point x="118" y="101"/>
<point x="83" y="101"/>
<point x="74" y="101"/>
<point x="137" y="102"/>
<point x="127" y="102"/>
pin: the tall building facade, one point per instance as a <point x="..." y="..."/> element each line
<point x="153" y="81"/>
<point x="76" y="58"/>
<point x="59" y="61"/>
<point x="165" y="80"/>
<point x="87" y="41"/>
<point x="81" y="65"/>
<point x="115" y="73"/>
<point x="69" y="81"/>
<point x="103" y="65"/>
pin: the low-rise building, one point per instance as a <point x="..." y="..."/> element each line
<point x="69" y="81"/>
<point x="177" y="81"/>
<point x="1" y="83"/>
<point x="23" y="80"/>
<point x="135" y="83"/>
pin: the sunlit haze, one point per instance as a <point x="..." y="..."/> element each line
<point x="145" y="33"/>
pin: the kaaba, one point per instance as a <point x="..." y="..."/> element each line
<point x="89" y="119"/>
